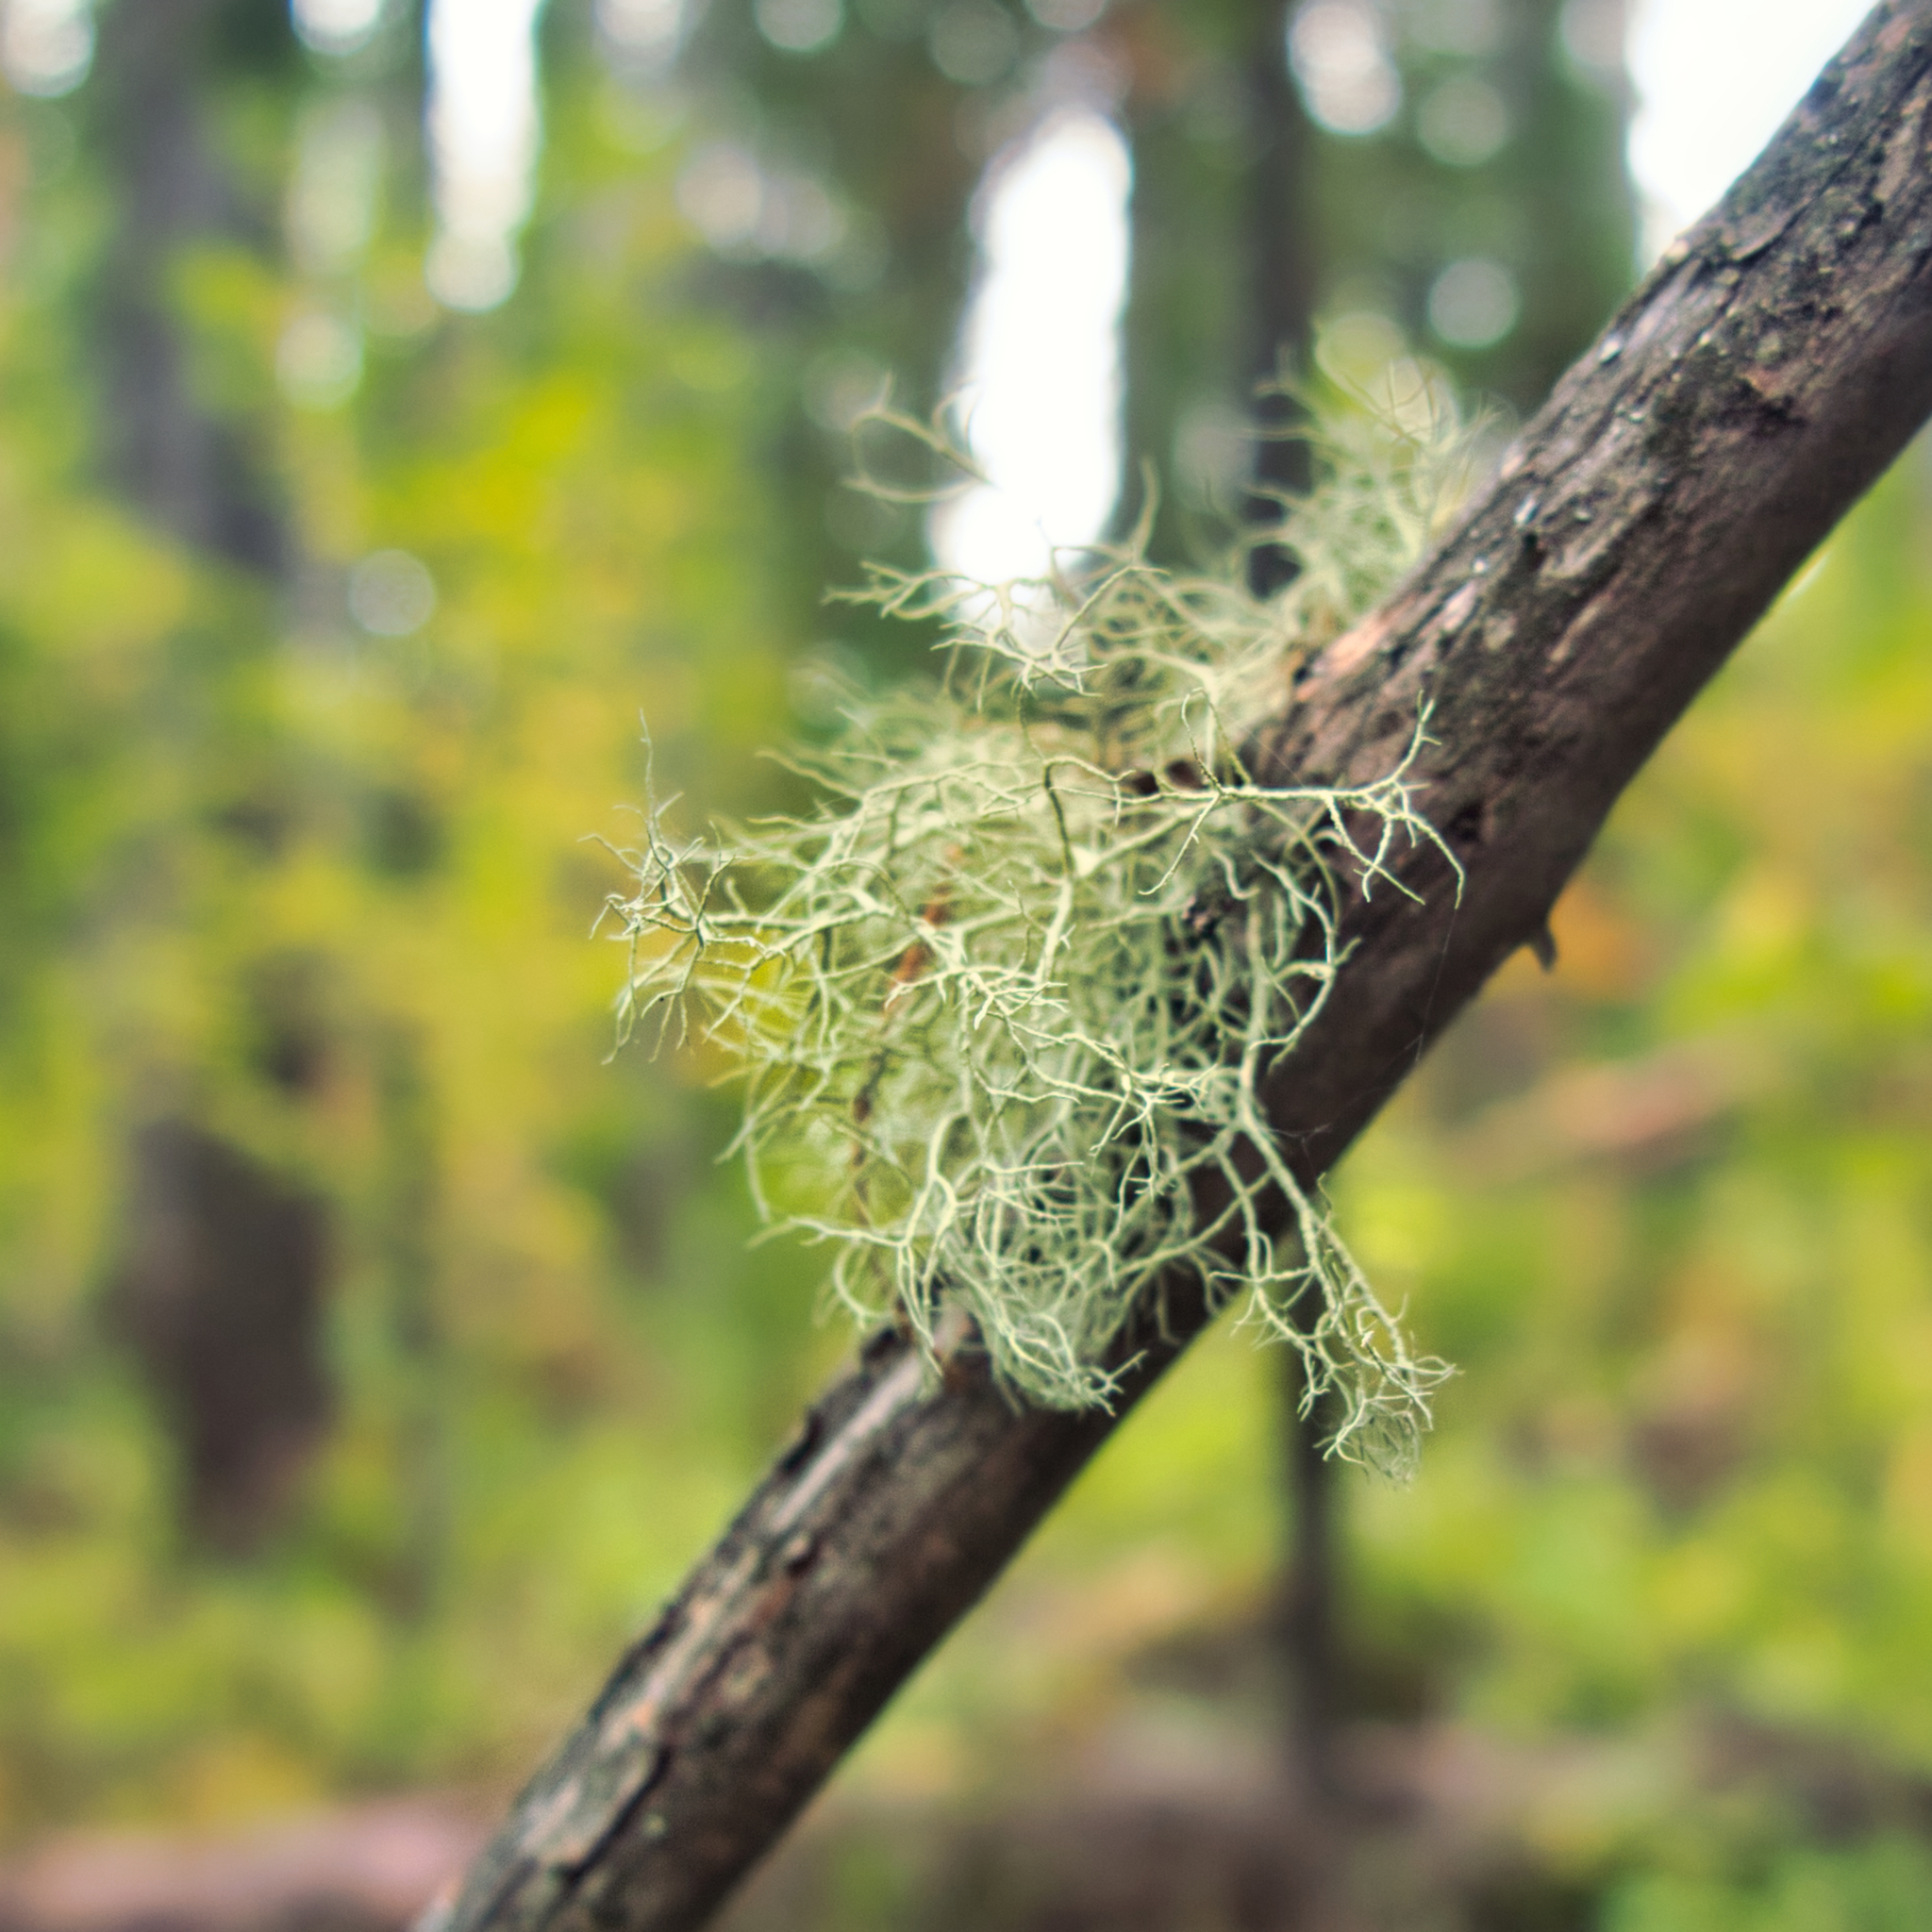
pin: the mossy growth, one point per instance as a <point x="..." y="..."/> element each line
<point x="1013" y="989"/>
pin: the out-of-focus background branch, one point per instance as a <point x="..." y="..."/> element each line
<point x="394" y="403"/>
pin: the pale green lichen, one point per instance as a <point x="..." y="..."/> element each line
<point x="1011" y="991"/>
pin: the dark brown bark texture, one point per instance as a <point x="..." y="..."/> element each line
<point x="1756" y="384"/>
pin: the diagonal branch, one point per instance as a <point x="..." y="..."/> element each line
<point x="1762" y="378"/>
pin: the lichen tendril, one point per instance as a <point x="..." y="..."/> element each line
<point x="1012" y="991"/>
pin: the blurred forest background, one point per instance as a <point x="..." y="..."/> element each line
<point x="376" y="1350"/>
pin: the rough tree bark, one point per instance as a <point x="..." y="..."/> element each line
<point x="1761" y="379"/>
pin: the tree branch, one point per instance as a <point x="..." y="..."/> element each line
<point x="1755" y="385"/>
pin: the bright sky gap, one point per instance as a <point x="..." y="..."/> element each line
<point x="1039" y="388"/>
<point x="483" y="143"/>
<point x="46" y="47"/>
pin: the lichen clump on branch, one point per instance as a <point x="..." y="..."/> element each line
<point x="1014" y="988"/>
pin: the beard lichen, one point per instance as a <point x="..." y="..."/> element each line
<point x="1011" y="991"/>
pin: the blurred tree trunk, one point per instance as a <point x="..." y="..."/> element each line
<point x="1559" y="178"/>
<point x="406" y="1234"/>
<point x="185" y="469"/>
<point x="1284" y="275"/>
<point x="222" y="1291"/>
<point x="222" y="1298"/>
<point x="1682" y="472"/>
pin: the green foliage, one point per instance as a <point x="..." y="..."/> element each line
<point x="325" y="891"/>
<point x="1667" y="1208"/>
<point x="1885" y="1885"/>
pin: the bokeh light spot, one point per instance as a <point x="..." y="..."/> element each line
<point x="391" y="594"/>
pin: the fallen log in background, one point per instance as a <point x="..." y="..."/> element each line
<point x="1123" y="1829"/>
<point x="1761" y="379"/>
<point x="364" y="1869"/>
